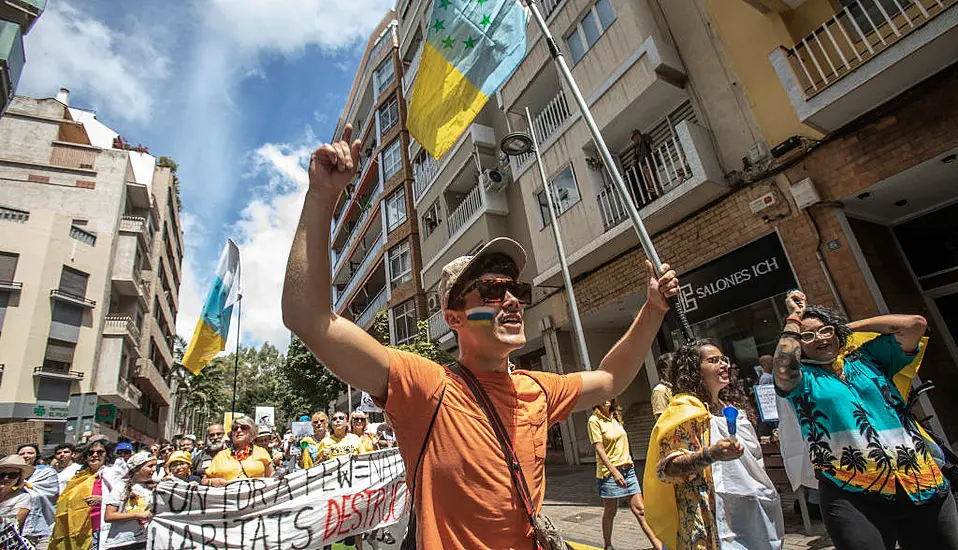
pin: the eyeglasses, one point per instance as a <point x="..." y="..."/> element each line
<point x="339" y="418"/>
<point x="318" y="422"/>
<point x="9" y="476"/>
<point x="241" y="428"/>
<point x="359" y="420"/>
<point x="493" y="291"/>
<point x="824" y="333"/>
<point x="718" y="360"/>
<point x="97" y="452"/>
<point x="215" y="434"/>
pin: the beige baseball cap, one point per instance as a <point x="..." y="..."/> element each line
<point x="454" y="269"/>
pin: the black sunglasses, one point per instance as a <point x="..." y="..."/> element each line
<point x="96" y="452"/>
<point x="10" y="476"/>
<point x="493" y="291"/>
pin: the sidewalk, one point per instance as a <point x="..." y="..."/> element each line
<point x="574" y="505"/>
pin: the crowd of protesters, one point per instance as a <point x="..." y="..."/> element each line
<point x="99" y="493"/>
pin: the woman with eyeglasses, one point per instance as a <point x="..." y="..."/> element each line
<point x="877" y="477"/>
<point x="241" y="459"/>
<point x="358" y="422"/>
<point x="79" y="510"/>
<point x="15" y="501"/>
<point x="310" y="445"/>
<point x="341" y="441"/>
<point x="705" y="481"/>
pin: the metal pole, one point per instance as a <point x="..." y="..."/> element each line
<point x="349" y="399"/>
<point x="239" y="321"/>
<point x="609" y="162"/>
<point x="563" y="263"/>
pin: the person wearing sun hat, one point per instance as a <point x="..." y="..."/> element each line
<point x="15" y="502"/>
<point x="128" y="507"/>
<point x="179" y="465"/>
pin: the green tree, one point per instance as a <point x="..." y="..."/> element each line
<point x="312" y="384"/>
<point x="421" y="345"/>
<point x="166" y="162"/>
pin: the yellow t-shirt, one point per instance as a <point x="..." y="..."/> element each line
<point x="332" y="446"/>
<point x="661" y="395"/>
<point x="613" y="437"/>
<point x="366" y="444"/>
<point x="225" y="466"/>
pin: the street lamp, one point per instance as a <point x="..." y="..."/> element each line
<point x="517" y="144"/>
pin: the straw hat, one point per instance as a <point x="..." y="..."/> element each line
<point x="17" y="462"/>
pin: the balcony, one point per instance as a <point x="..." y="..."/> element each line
<point x="865" y="54"/>
<point x="376" y="305"/>
<point x="137" y="225"/>
<point x="62" y="373"/>
<point x="120" y="325"/>
<point x="467" y="209"/>
<point x="138" y="194"/>
<point x="126" y="275"/>
<point x="374" y="252"/>
<point x="438" y="328"/>
<point x="14" y="215"/>
<point x="22" y="12"/>
<point x="682" y="176"/>
<point x="546" y="124"/>
<point x="72" y="299"/>
<point x="359" y="228"/>
<point x="148" y="377"/>
<point x="11" y="60"/>
<point x="350" y="200"/>
<point x="409" y="76"/>
<point x="10" y="286"/>
<point x="429" y="171"/>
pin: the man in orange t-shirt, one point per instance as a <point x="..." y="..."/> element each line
<point x="464" y="495"/>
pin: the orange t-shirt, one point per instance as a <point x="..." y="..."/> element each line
<point x="464" y="494"/>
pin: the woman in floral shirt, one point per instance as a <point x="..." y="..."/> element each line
<point x="707" y="489"/>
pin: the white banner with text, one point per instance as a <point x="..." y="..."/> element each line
<point x="306" y="509"/>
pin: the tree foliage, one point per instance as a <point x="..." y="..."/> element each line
<point x="315" y="385"/>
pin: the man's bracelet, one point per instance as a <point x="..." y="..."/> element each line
<point x="792" y="333"/>
<point x="706" y="456"/>
<point x="795" y="319"/>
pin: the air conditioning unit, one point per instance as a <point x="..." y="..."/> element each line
<point x="492" y="180"/>
<point x="434" y="302"/>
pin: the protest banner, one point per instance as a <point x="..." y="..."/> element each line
<point x="765" y="398"/>
<point x="304" y="510"/>
<point x="302" y="429"/>
<point x="366" y="404"/>
<point x="19" y="433"/>
<point x="265" y="416"/>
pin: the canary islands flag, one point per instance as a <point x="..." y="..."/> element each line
<point x="471" y="48"/>
<point x="209" y="338"/>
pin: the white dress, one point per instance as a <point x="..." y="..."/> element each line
<point x="747" y="508"/>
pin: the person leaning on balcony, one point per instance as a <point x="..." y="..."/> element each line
<point x="241" y="458"/>
<point x="643" y="162"/>
<point x="463" y="490"/>
<point x="876" y="474"/>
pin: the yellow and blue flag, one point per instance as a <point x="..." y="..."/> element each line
<point x="209" y="338"/>
<point x="471" y="48"/>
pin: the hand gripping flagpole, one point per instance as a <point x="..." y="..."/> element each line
<point x="644" y="238"/>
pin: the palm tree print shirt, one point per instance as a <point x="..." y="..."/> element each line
<point x="858" y="434"/>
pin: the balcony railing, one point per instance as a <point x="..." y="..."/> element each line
<point x="357" y="229"/>
<point x="424" y="172"/>
<point x="858" y="32"/>
<point x="134" y="224"/>
<point x="437" y="325"/>
<point x="469" y="206"/>
<point x="334" y="228"/>
<point x="58" y="294"/>
<point x="57" y="372"/>
<point x="375" y="306"/>
<point x="82" y="235"/>
<point x="372" y="254"/>
<point x="646" y="180"/>
<point x="117" y="324"/>
<point x="128" y="391"/>
<point x="547" y="122"/>
<point x="13" y="215"/>
<point x="410" y="75"/>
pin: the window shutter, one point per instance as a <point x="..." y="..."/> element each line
<point x="61" y="352"/>
<point x="8" y="266"/>
<point x="73" y="282"/>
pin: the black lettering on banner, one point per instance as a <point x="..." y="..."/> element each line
<point x="260" y="533"/>
<point x="307" y="528"/>
<point x="284" y="484"/>
<point x="259" y="488"/>
<point x="345" y="478"/>
<point x="361" y="466"/>
<point x="279" y="525"/>
<point x="244" y="493"/>
<point x="211" y="539"/>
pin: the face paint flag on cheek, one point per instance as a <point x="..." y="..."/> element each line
<point x="481" y="315"/>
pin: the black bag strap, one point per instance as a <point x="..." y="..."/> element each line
<point x="409" y="541"/>
<point x="512" y="461"/>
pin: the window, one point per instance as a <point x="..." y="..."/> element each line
<point x="8" y="266"/>
<point x="395" y="209"/>
<point x="73" y="282"/>
<point x="404" y="322"/>
<point x="565" y="193"/>
<point x="384" y="74"/>
<point x="596" y="20"/>
<point x="432" y="219"/>
<point x="388" y="116"/>
<point x="873" y="18"/>
<point x="392" y="159"/>
<point x="58" y="356"/>
<point x="400" y="266"/>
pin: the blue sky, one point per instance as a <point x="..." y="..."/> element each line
<point x="238" y="92"/>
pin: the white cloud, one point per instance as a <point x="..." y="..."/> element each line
<point x="115" y="70"/>
<point x="289" y="27"/>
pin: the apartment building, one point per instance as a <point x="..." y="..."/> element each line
<point x="767" y="146"/>
<point x="90" y="258"/>
<point x="375" y="246"/>
<point x="16" y="19"/>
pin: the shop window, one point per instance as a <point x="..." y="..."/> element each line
<point x="586" y="33"/>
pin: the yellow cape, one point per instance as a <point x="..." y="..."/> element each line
<point x="660" y="510"/>
<point x="72" y="529"/>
